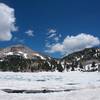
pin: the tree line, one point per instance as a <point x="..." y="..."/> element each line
<point x="17" y="63"/>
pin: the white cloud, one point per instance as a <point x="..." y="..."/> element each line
<point x="74" y="43"/>
<point x="52" y="31"/>
<point x="54" y="48"/>
<point x="30" y="33"/>
<point x="52" y="38"/>
<point x="56" y="39"/>
<point x="52" y="35"/>
<point x="7" y="22"/>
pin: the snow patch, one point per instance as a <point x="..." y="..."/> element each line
<point x="38" y="55"/>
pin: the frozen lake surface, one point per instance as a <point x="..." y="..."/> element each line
<point x="65" y="86"/>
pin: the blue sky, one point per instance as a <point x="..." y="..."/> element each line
<point x="54" y="27"/>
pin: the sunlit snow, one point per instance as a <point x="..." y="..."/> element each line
<point x="84" y="85"/>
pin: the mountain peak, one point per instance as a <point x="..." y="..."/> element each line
<point x="22" y="50"/>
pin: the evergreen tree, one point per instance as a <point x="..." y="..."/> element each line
<point x="93" y="64"/>
<point x="60" y="68"/>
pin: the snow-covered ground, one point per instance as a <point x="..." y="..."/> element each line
<point x="83" y="85"/>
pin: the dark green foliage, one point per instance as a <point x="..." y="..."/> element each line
<point x="60" y="68"/>
<point x="81" y="66"/>
<point x="14" y="63"/>
<point x="18" y="63"/>
<point x="93" y="64"/>
<point x="73" y="66"/>
<point x="47" y="67"/>
<point x="67" y="67"/>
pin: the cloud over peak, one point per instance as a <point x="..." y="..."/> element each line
<point x="7" y="22"/>
<point x="74" y="43"/>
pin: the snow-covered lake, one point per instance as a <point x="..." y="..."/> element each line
<point x="71" y="85"/>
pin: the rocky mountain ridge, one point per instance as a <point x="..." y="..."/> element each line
<point x="22" y="50"/>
